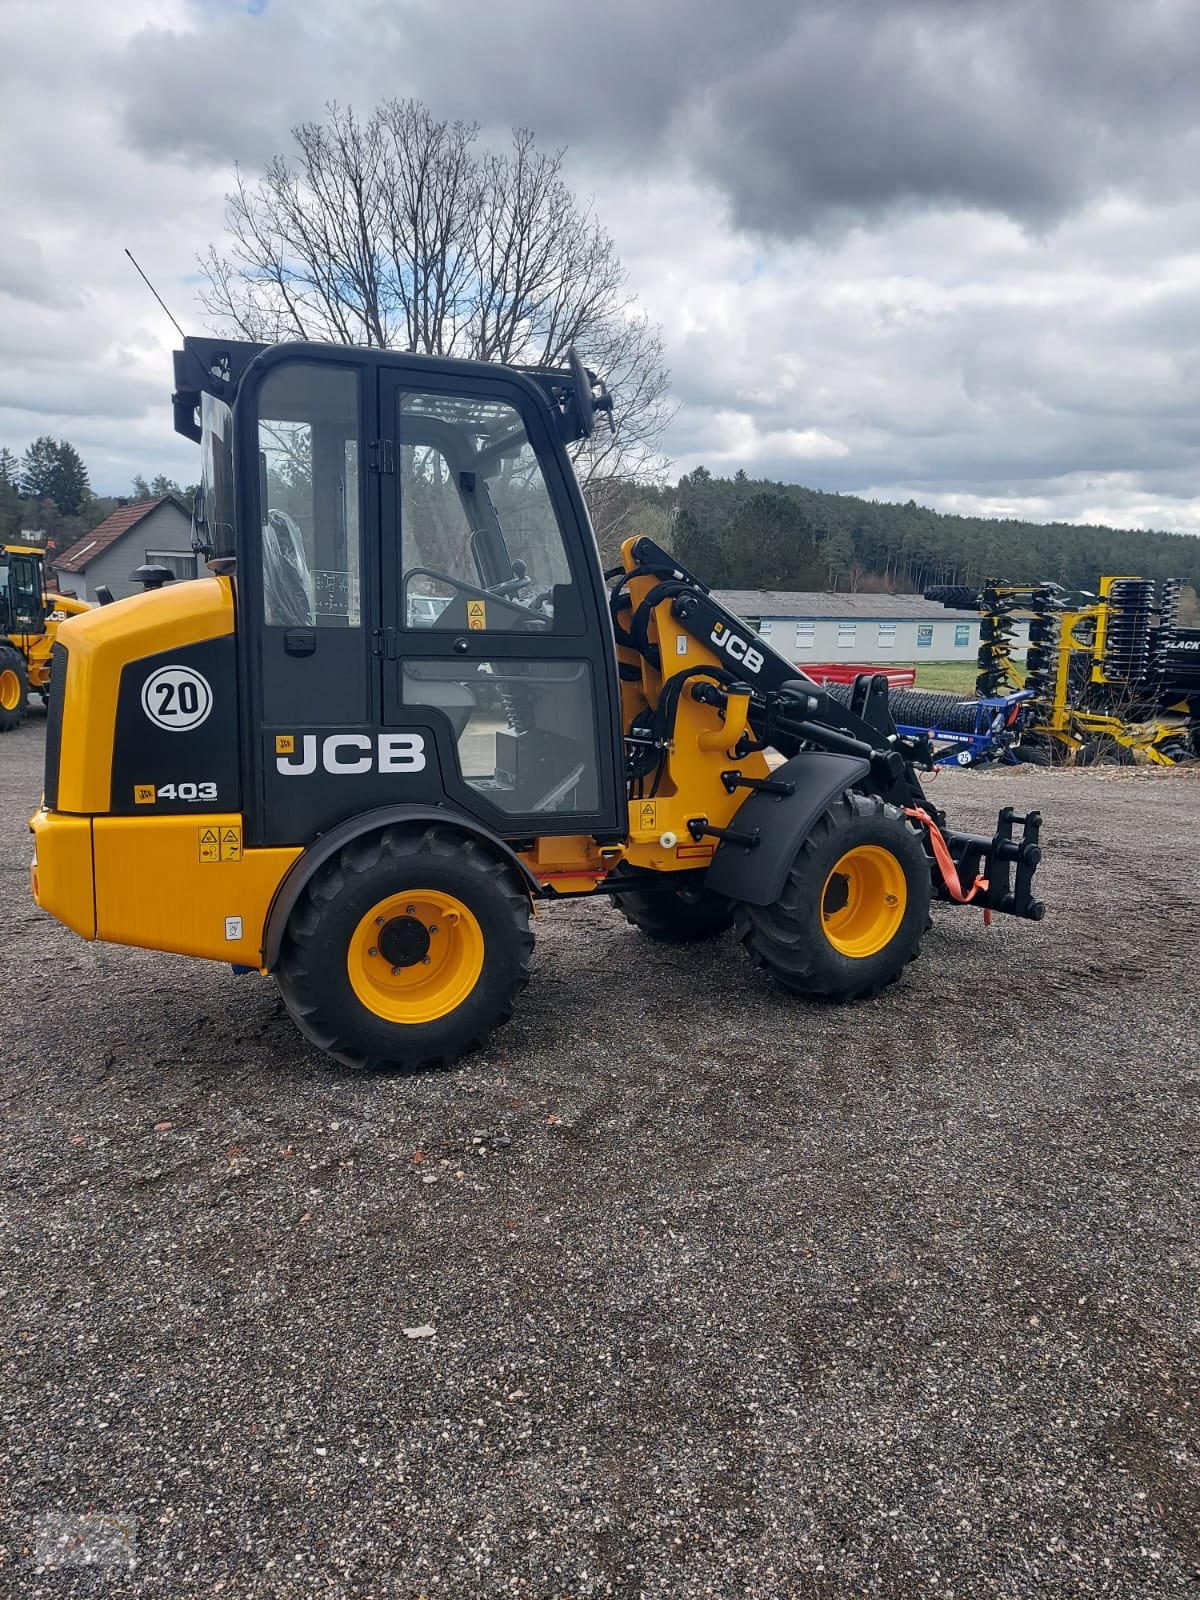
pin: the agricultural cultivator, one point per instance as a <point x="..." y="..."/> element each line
<point x="1110" y="677"/>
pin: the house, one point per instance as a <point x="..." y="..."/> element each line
<point x="147" y="532"/>
<point x="859" y="627"/>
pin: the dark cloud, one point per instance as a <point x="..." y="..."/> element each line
<point x="942" y="248"/>
<point x="804" y="116"/>
<point x="1017" y="106"/>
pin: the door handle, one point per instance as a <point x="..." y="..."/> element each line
<point x="300" y="641"/>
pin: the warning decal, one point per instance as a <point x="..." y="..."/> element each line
<point x="476" y="615"/>
<point x="648" y="814"/>
<point x="219" y="844"/>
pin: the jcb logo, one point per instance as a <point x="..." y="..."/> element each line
<point x="737" y="647"/>
<point x="347" y="754"/>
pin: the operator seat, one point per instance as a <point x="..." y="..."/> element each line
<point x="287" y="582"/>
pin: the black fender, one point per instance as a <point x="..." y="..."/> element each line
<point x="756" y="873"/>
<point x="318" y="853"/>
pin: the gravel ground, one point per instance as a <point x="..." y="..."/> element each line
<point x="732" y="1295"/>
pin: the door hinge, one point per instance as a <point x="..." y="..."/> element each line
<point x="387" y="643"/>
<point x="380" y="456"/>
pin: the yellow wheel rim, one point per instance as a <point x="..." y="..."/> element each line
<point x="863" y="901"/>
<point x="416" y="956"/>
<point x="10" y="689"/>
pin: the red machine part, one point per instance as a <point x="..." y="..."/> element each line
<point x="847" y="671"/>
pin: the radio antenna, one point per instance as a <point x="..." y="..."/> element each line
<point x="154" y="291"/>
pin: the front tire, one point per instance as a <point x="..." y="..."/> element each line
<point x="14" y="688"/>
<point x="853" y="908"/>
<point x="406" y="949"/>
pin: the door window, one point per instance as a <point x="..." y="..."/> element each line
<point x="481" y="545"/>
<point x="308" y="435"/>
<point x="525" y="730"/>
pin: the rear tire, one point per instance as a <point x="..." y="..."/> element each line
<point x="14" y="688"/>
<point x="677" y="916"/>
<point x="853" y="908"/>
<point x="1033" y="755"/>
<point x="406" y="949"/>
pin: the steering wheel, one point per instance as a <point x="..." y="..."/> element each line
<point x="504" y="591"/>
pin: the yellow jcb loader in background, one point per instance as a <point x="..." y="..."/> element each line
<point x="29" y="618"/>
<point x="407" y="707"/>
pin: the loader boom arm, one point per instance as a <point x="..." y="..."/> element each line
<point x="786" y="710"/>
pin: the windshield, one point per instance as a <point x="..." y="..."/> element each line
<point x="213" y="514"/>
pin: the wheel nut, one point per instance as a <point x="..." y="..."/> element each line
<point x="890" y="899"/>
<point x="372" y="951"/>
<point x="425" y="960"/>
<point x="410" y="911"/>
<point x="379" y="922"/>
<point x="433" y="927"/>
<point x="395" y="972"/>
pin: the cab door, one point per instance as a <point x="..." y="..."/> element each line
<point x="26" y="595"/>
<point x="496" y="631"/>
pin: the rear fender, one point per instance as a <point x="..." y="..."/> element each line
<point x="318" y="853"/>
<point x="756" y="873"/>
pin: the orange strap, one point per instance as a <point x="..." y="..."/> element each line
<point x="945" y="861"/>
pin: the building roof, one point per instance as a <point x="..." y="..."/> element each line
<point x="115" y="526"/>
<point x="784" y="605"/>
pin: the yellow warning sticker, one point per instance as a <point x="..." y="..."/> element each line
<point x="285" y="744"/>
<point x="648" y="814"/>
<point x="210" y="844"/>
<point x="231" y="844"/>
<point x="143" y="794"/>
<point x="476" y="615"/>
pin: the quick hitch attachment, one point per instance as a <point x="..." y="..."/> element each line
<point x="988" y="864"/>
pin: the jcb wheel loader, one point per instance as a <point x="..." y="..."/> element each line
<point x="29" y="618"/>
<point x="406" y="708"/>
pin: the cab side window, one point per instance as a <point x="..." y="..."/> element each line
<point x="308" y="444"/>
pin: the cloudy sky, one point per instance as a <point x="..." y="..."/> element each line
<point x="947" y="249"/>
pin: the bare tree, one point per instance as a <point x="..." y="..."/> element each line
<point x="399" y="232"/>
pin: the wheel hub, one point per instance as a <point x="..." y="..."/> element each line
<point x="863" y="901"/>
<point x="403" y="941"/>
<point x="415" y="956"/>
<point x="837" y="894"/>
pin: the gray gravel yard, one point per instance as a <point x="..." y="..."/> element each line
<point x="732" y="1295"/>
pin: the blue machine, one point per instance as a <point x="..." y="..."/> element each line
<point x="964" y="733"/>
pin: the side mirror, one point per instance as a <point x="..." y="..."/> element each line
<point x="582" y="380"/>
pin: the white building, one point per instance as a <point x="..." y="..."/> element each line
<point x="858" y="627"/>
